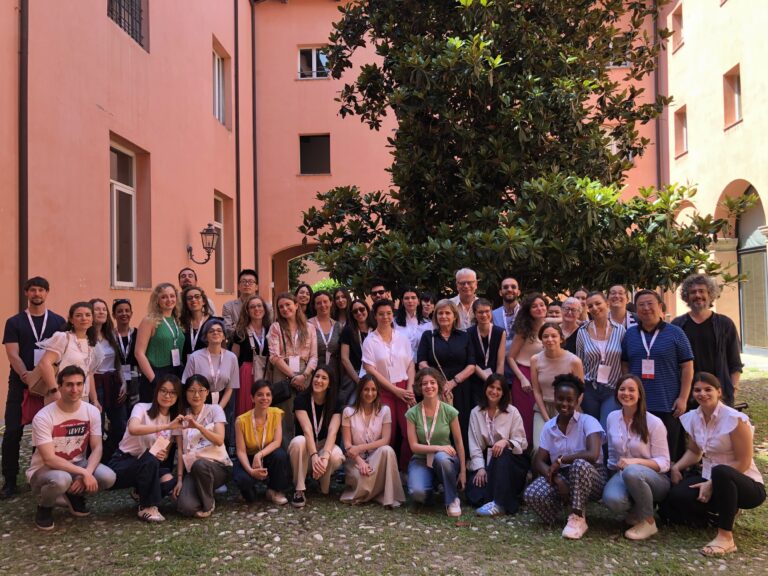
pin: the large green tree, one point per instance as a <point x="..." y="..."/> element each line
<point x="508" y="114"/>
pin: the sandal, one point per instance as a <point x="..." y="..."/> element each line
<point x="715" y="550"/>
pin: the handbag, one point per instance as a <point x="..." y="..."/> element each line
<point x="280" y="383"/>
<point x="36" y="384"/>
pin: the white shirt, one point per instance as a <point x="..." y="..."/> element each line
<point x="507" y="425"/>
<point x="413" y="331"/>
<point x="714" y="438"/>
<point x="391" y="359"/>
<point x="625" y="443"/>
<point x="465" y="315"/>
<point x="574" y="440"/>
<point x="137" y="445"/>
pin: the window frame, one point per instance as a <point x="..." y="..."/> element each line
<point x="325" y="135"/>
<point x="219" y="263"/>
<point x="316" y="50"/>
<point x="116" y="188"/>
<point x="219" y="94"/>
<point x="681" y="131"/>
<point x="733" y="112"/>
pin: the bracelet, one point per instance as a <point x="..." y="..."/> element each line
<point x="311" y="455"/>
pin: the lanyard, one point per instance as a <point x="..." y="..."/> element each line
<point x="645" y="344"/>
<point x="486" y="351"/>
<point x="491" y="422"/>
<point x="428" y="434"/>
<point x="263" y="432"/>
<point x="193" y="336"/>
<point x="174" y="333"/>
<point x="255" y="339"/>
<point x="32" y="325"/>
<point x="608" y="330"/>
<point x="317" y="427"/>
<point x="124" y="348"/>
<point x="190" y="431"/>
<point x="367" y="435"/>
<point x="326" y="341"/>
<point x="214" y="377"/>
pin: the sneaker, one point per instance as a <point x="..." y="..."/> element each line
<point x="44" y="518"/>
<point x="298" y="500"/>
<point x="76" y="505"/>
<point x="490" y="509"/>
<point x="454" y="508"/>
<point x="642" y="530"/>
<point x="221" y="489"/>
<point x="276" y="497"/>
<point x="8" y="491"/>
<point x="576" y="527"/>
<point x="150" y="514"/>
<point x="205" y="513"/>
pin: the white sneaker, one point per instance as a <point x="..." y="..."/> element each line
<point x="205" y="513"/>
<point x="576" y="527"/>
<point x="276" y="497"/>
<point x="150" y="514"/>
<point x="641" y="530"/>
<point x="454" y="508"/>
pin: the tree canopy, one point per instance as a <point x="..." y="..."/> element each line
<point x="516" y="124"/>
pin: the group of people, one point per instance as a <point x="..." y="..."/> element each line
<point x="547" y="402"/>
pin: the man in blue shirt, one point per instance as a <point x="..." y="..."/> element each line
<point x="661" y="355"/>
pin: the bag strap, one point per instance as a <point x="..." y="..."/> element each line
<point x="439" y="367"/>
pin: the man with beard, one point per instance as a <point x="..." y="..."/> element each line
<point x="22" y="332"/>
<point x="188" y="277"/>
<point x="713" y="337"/>
<point x="504" y="316"/>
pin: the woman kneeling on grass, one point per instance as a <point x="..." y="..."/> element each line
<point x="722" y="439"/>
<point x="638" y="459"/>
<point x="496" y="445"/>
<point x="431" y="425"/>
<point x="570" y="461"/>
<point x="371" y="467"/>
<point x="260" y="455"/>
<point x="203" y="454"/>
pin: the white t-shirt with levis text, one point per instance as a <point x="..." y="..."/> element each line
<point x="69" y="432"/>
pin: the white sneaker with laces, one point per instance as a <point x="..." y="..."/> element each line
<point x="454" y="508"/>
<point x="576" y="527"/>
<point x="276" y="497"/>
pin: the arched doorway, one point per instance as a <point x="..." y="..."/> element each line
<point x="751" y="232"/>
<point x="280" y="265"/>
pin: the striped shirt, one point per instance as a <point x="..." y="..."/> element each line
<point x="591" y="357"/>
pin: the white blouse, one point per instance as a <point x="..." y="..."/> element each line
<point x="714" y="438"/>
<point x="390" y="358"/>
<point x="625" y="443"/>
<point x="579" y="428"/>
<point x="485" y="432"/>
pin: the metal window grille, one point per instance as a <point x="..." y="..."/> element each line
<point x="127" y="14"/>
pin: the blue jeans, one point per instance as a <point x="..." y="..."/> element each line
<point x="632" y="492"/>
<point x="422" y="480"/>
<point x="598" y="402"/>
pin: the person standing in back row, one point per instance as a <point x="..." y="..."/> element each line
<point x="22" y="332"/>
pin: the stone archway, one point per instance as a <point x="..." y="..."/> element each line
<point x="280" y="262"/>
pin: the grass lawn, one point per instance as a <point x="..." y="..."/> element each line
<point x="330" y="538"/>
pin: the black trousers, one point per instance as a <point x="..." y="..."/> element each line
<point x="675" y="435"/>
<point x="731" y="490"/>
<point x="143" y="474"/>
<point x="13" y="431"/>
<point x="505" y="482"/>
<point x="279" y="474"/>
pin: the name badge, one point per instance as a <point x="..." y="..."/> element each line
<point x="648" y="369"/>
<point x="706" y="467"/>
<point x="603" y="373"/>
<point x="38" y="355"/>
<point x="176" y="357"/>
<point x="430" y="459"/>
<point x="487" y="372"/>
<point x="215" y="397"/>
<point x="125" y="370"/>
<point x="327" y="357"/>
<point x="294" y="364"/>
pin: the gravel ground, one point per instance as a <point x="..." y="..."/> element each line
<point x="329" y="538"/>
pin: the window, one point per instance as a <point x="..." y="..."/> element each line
<point x="681" y="132"/>
<point x="315" y="153"/>
<point x="219" y="94"/>
<point x="677" y="28"/>
<point x="313" y="63"/>
<point x="122" y="169"/>
<point x="732" y="96"/>
<point x="218" y="254"/>
<point x="131" y="16"/>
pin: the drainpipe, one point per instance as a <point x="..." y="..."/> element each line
<point x="23" y="149"/>
<point x="253" y="137"/>
<point x="659" y="165"/>
<point x="238" y="224"/>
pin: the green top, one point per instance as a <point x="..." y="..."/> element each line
<point x="442" y="433"/>
<point x="168" y="335"/>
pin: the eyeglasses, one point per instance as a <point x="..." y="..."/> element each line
<point x="466" y="282"/>
<point x="168" y="393"/>
<point x="194" y="297"/>
<point x="215" y="331"/>
<point x="569" y="310"/>
<point x="248" y="282"/>
<point x="197" y="391"/>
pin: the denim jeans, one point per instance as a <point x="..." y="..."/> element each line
<point x="422" y="480"/>
<point x="598" y="402"/>
<point x="632" y="492"/>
